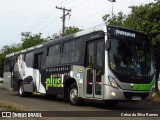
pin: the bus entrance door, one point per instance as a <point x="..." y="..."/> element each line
<point x="94" y="69"/>
<point x="37" y="69"/>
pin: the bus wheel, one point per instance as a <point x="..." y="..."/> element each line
<point x="21" y="90"/>
<point x="73" y="95"/>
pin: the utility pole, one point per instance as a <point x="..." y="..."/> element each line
<point x="112" y="5"/>
<point x="64" y="17"/>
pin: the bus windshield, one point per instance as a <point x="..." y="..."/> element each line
<point x="131" y="57"/>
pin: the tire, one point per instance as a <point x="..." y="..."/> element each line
<point x="21" y="92"/>
<point x="73" y="95"/>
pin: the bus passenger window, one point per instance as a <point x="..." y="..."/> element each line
<point x="100" y="53"/>
<point x="53" y="57"/>
<point x="29" y="59"/>
<point x="90" y="55"/>
<point x="71" y="52"/>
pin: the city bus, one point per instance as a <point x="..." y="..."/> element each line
<point x="105" y="63"/>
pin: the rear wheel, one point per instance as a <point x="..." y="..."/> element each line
<point x="73" y="95"/>
<point x="21" y="92"/>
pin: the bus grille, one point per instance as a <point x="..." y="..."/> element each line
<point x="129" y="95"/>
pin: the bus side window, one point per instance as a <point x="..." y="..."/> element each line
<point x="100" y="53"/>
<point x="71" y="52"/>
<point x="53" y="55"/>
<point x="90" y="55"/>
<point x="7" y="62"/>
<point x="29" y="59"/>
<point x="11" y="66"/>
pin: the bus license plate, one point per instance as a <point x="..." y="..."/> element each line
<point x="136" y="98"/>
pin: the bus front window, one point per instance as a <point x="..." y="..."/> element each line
<point x="131" y="57"/>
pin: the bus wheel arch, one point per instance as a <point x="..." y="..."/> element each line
<point x="21" y="92"/>
<point x="71" y="92"/>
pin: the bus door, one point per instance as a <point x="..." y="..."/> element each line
<point x="37" y="69"/>
<point x="13" y="61"/>
<point x="8" y="72"/>
<point x="94" y="68"/>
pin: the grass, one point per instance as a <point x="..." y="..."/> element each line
<point x="156" y="97"/>
<point x="12" y="107"/>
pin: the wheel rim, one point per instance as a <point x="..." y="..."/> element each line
<point x="20" y="90"/>
<point x="73" y="95"/>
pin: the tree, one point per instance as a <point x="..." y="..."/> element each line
<point x="68" y="30"/>
<point x="7" y="50"/>
<point x="29" y="39"/>
<point x="116" y="20"/>
<point x="146" y="18"/>
<point x="52" y="37"/>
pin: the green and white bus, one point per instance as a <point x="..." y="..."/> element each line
<point x="105" y="62"/>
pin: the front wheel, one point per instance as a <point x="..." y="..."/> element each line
<point x="73" y="95"/>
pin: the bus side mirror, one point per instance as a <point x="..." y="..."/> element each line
<point x="108" y="45"/>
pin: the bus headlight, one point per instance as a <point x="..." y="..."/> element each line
<point x="113" y="82"/>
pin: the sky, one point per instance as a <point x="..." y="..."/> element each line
<point x="41" y="16"/>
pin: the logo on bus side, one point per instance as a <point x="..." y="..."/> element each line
<point x="80" y="69"/>
<point x="54" y="81"/>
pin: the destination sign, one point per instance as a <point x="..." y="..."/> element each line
<point x="124" y="33"/>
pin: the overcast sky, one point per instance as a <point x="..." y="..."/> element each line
<point x="41" y="16"/>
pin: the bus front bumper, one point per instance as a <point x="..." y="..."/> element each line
<point x="111" y="93"/>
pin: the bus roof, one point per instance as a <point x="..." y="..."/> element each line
<point x="74" y="35"/>
<point x="101" y="27"/>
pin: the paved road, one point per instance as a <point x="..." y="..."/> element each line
<point x="40" y="103"/>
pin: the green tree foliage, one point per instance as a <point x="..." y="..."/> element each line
<point x="116" y="20"/>
<point x="29" y="40"/>
<point x="70" y="30"/>
<point x="146" y="18"/>
<point x="7" y="50"/>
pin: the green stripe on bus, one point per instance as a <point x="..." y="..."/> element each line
<point x="140" y="87"/>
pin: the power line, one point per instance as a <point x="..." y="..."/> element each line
<point x="67" y="2"/>
<point x="43" y="18"/>
<point x="80" y="3"/>
<point x="47" y="24"/>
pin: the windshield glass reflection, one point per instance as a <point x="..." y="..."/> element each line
<point x="131" y="58"/>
